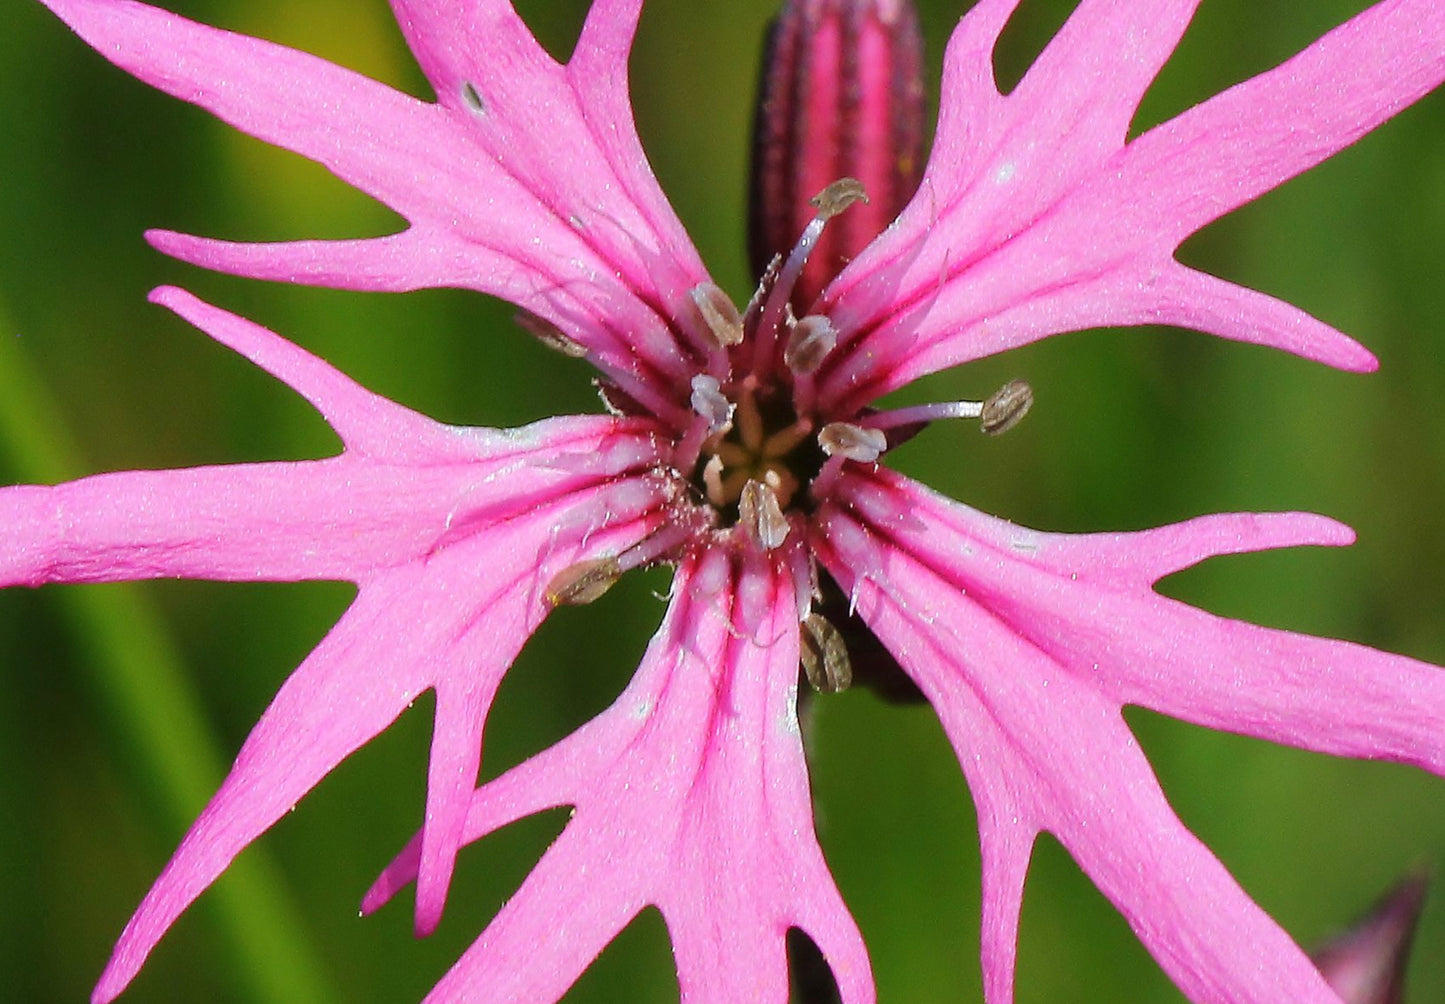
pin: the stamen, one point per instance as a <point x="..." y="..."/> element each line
<point x="709" y="401"/>
<point x="472" y="98"/>
<point x="1006" y="408"/>
<point x="824" y="655"/>
<point x="766" y="282"/>
<point x="719" y="313"/>
<point x="584" y="582"/>
<point x="549" y="334"/>
<point x="809" y="342"/>
<point x="712" y="480"/>
<point x="830" y="202"/>
<point x="761" y="515"/>
<point x="923" y="413"/>
<point x="837" y="197"/>
<point x="852" y="442"/>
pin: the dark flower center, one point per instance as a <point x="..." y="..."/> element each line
<point x="766" y="442"/>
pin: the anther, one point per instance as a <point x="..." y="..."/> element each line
<point x="837" y="197"/>
<point x="472" y="98"/>
<point x="830" y="202"/>
<point x="1006" y="408"/>
<point x="809" y="342"/>
<point x="761" y="515"/>
<point x="709" y="402"/>
<point x="852" y="442"/>
<point x="824" y="655"/>
<point x="719" y="313"/>
<point x="583" y="582"/>
<point x="549" y="334"/>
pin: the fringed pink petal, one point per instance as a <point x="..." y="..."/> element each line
<point x="1086" y="601"/>
<point x="692" y="792"/>
<point x="1052" y="750"/>
<point x="1035" y="217"/>
<point x="484" y="64"/>
<point x="350" y="688"/>
<point x="453" y="536"/>
<point x="1006" y="842"/>
<point x="326" y="519"/>
<point x="1238" y="145"/>
<point x="405" y="486"/>
<point x="434" y="623"/>
<point x="1005" y="161"/>
<point x="365" y="421"/>
<point x="746" y="867"/>
<point x="506" y="184"/>
<point x="1166" y="293"/>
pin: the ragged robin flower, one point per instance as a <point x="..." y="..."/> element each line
<point x="746" y="448"/>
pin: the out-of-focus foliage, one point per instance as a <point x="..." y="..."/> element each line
<point x="123" y="703"/>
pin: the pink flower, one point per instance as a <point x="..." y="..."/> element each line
<point x="745" y="452"/>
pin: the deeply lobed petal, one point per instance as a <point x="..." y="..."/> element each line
<point x="513" y="184"/>
<point x="405" y="487"/>
<point x="1020" y="638"/>
<point x="453" y="536"/>
<point x="1085" y="602"/>
<point x="1036" y="217"/>
<point x="693" y="789"/>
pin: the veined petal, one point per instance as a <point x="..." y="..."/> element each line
<point x="1086" y="602"/>
<point x="453" y="536"/>
<point x="485" y="44"/>
<point x="1045" y="748"/>
<point x="1238" y="145"/>
<point x="1022" y="231"/>
<point x="693" y="790"/>
<point x="405" y="487"/>
<point x="506" y="184"/>
<point x="454" y="621"/>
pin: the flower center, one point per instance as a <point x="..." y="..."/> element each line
<point x="765" y="441"/>
<point x="756" y="457"/>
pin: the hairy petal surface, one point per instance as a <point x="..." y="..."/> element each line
<point x="524" y="180"/>
<point x="452" y="536"/>
<point x="1028" y="645"/>
<point x="693" y="789"/>
<point x="1035" y="215"/>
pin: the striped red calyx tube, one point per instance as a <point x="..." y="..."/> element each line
<point x="840" y="96"/>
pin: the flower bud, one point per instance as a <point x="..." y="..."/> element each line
<point x="841" y="96"/>
<point x="1365" y="964"/>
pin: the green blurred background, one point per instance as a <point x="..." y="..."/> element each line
<point x="122" y="704"/>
